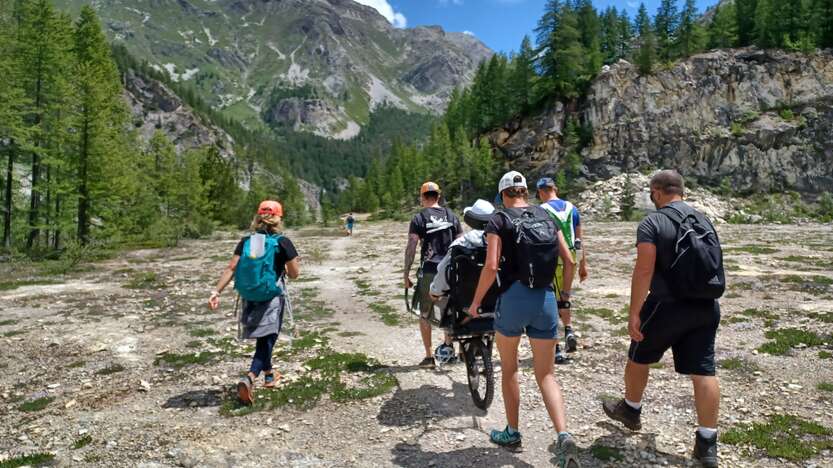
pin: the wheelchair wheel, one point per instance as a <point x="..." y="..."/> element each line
<point x="478" y="354"/>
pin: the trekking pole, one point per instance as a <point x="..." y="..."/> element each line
<point x="287" y="308"/>
<point x="407" y="302"/>
<point x="237" y="317"/>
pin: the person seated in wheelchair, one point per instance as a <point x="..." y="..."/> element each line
<point x="459" y="271"/>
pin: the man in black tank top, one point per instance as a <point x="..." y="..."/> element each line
<point x="435" y="227"/>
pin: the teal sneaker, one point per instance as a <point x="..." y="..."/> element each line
<point x="504" y="438"/>
<point x="566" y="453"/>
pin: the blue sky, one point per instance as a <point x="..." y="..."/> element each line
<point x="501" y="24"/>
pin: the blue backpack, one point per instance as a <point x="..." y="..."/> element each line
<point x="255" y="278"/>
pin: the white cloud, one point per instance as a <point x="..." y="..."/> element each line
<point x="468" y="33"/>
<point x="632" y="5"/>
<point x="395" y="18"/>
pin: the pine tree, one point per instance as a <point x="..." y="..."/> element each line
<point x="690" y="35"/>
<point x="610" y="33"/>
<point x="627" y="201"/>
<point x="723" y="27"/>
<point x="745" y="17"/>
<point x="522" y="79"/>
<point x="822" y="13"/>
<point x="625" y="35"/>
<point x="100" y="119"/>
<point x="666" y="23"/>
<point x="548" y="24"/>
<point x="765" y="25"/>
<point x="647" y="44"/>
<point x="568" y="56"/>
<point x="590" y="30"/>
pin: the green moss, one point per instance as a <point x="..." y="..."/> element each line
<point x="782" y="436"/>
<point x="605" y="453"/>
<point x="35" y="405"/>
<point x="33" y="459"/>
<point x="82" y="442"/>
<point x="787" y="338"/>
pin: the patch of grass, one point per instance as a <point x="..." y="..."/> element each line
<point x="6" y="323"/>
<point x="111" y="369"/>
<point x="193" y="344"/>
<point x="783" y="436"/>
<point x="758" y="313"/>
<point x="752" y="249"/>
<point x="313" y="310"/>
<point x="788" y="338"/>
<point x="14" y="333"/>
<point x="815" y="279"/>
<point x="35" y="405"/>
<point x="605" y="453"/>
<point x="14" y="284"/>
<point x="365" y="288"/>
<point x="307" y="341"/>
<point x="202" y="332"/>
<point x="76" y="364"/>
<point x="826" y="317"/>
<point x="315" y="254"/>
<point x="305" y="279"/>
<point x="146" y="280"/>
<point x="657" y="365"/>
<point x="825" y="355"/>
<point x="736" y="363"/>
<point x="33" y="459"/>
<point x="736" y="319"/>
<point x="348" y="334"/>
<point x="387" y="313"/>
<point x="825" y="386"/>
<point x="612" y="317"/>
<point x="611" y="296"/>
<point x="179" y="361"/>
<point x="82" y="442"/>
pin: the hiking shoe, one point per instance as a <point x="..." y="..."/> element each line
<point x="566" y="452"/>
<point x="504" y="438"/>
<point x="622" y="412"/>
<point x="705" y="450"/>
<point x="560" y="357"/>
<point x="270" y="379"/>
<point x="572" y="342"/>
<point x="245" y="392"/>
<point x="427" y="363"/>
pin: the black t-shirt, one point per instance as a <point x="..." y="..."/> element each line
<point x="286" y="253"/>
<point x="657" y="229"/>
<point x="437" y="228"/>
<point x="501" y="225"/>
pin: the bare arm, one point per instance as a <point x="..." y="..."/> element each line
<point x="410" y="253"/>
<point x="582" y="268"/>
<point x="225" y="279"/>
<point x="488" y="273"/>
<point x="293" y="268"/>
<point x="643" y="271"/>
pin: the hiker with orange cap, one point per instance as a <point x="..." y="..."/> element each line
<point x="436" y="227"/>
<point x="258" y="266"/>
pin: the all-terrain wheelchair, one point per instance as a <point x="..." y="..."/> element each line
<point x="475" y="336"/>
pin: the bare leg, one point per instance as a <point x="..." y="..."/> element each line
<point x="508" y="349"/>
<point x="566" y="317"/>
<point x="425" y="331"/>
<point x="636" y="379"/>
<point x="706" y="399"/>
<point x="543" y="353"/>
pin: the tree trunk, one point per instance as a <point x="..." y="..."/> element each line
<point x="56" y="236"/>
<point x="7" y="214"/>
<point x="83" y="190"/>
<point x="34" y="198"/>
<point x="47" y="206"/>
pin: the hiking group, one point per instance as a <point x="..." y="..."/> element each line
<point x="531" y="254"/>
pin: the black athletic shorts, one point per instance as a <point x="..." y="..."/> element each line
<point x="688" y="328"/>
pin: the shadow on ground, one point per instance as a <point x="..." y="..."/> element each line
<point x="195" y="399"/>
<point x="410" y="455"/>
<point x="418" y="406"/>
<point x="620" y="437"/>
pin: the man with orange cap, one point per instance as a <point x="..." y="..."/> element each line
<point x="435" y="227"/>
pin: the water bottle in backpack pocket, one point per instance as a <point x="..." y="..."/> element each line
<point x="255" y="277"/>
<point x="696" y="272"/>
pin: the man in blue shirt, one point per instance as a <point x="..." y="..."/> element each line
<point x="568" y="219"/>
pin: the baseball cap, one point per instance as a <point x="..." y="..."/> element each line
<point x="478" y="214"/>
<point x="545" y="182"/>
<point x="270" y="207"/>
<point x="511" y="179"/>
<point x="429" y="187"/>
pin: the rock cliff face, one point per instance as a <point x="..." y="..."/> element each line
<point x="761" y="119"/>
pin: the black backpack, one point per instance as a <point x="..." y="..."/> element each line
<point x="696" y="272"/>
<point x="535" y="250"/>
<point x="463" y="275"/>
<point x="437" y="242"/>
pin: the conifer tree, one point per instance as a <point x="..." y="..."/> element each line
<point x="522" y="79"/>
<point x="610" y="34"/>
<point x="548" y="24"/>
<point x="745" y="17"/>
<point x="568" y="57"/>
<point x="690" y="35"/>
<point x="590" y="30"/>
<point x="765" y="25"/>
<point x="647" y="44"/>
<point x="722" y="30"/>
<point x="625" y="35"/>
<point x="666" y="23"/>
<point x="822" y="13"/>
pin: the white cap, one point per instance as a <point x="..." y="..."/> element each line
<point x="511" y="179"/>
<point x="480" y="208"/>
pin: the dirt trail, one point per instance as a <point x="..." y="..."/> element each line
<point x="122" y="365"/>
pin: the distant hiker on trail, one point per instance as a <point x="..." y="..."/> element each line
<point x="568" y="219"/>
<point x="350" y="222"/>
<point x="529" y="241"/>
<point x="677" y="280"/>
<point x="257" y="266"/>
<point x="435" y="227"/>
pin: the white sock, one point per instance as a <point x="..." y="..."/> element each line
<point x="707" y="432"/>
<point x="634" y="405"/>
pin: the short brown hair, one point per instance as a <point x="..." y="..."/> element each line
<point x="516" y="192"/>
<point x="669" y="181"/>
<point x="272" y="224"/>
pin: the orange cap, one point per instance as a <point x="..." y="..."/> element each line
<point x="270" y="207"/>
<point x="429" y="187"/>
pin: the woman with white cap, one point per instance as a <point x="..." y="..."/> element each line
<point x="266" y="256"/>
<point x="527" y="305"/>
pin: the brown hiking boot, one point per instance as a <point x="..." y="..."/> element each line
<point x="622" y="412"/>
<point x="245" y="391"/>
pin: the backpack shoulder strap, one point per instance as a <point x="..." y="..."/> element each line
<point x="675" y="215"/>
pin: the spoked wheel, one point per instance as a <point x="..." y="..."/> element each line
<point x="478" y="354"/>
